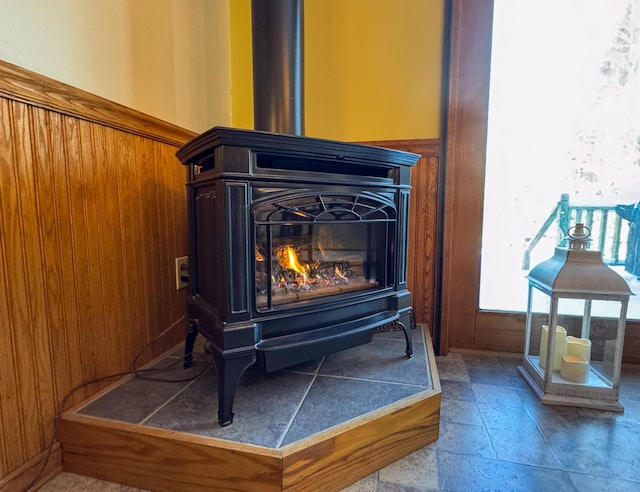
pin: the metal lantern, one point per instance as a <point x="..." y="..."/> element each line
<point x="574" y="333"/>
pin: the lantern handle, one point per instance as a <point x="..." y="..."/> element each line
<point x="579" y="239"/>
<point x="579" y="228"/>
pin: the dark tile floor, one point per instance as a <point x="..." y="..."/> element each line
<point x="280" y="408"/>
<point x="494" y="433"/>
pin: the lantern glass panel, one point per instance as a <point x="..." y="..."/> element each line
<point x="538" y="317"/>
<point x="603" y="336"/>
<point x="584" y="328"/>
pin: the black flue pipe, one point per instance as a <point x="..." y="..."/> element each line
<point x="278" y="65"/>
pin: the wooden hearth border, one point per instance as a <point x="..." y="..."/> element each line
<point x="159" y="459"/>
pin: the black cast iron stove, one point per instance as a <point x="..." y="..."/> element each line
<point x="297" y="248"/>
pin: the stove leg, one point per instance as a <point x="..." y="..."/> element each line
<point x="407" y="337"/>
<point x="190" y="340"/>
<point x="228" y="372"/>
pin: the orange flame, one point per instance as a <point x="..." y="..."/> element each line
<point x="291" y="261"/>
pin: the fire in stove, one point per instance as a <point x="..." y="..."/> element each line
<point x="296" y="276"/>
<point x="300" y="273"/>
<point x="288" y="261"/>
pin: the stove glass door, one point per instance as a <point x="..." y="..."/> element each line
<point x="315" y="246"/>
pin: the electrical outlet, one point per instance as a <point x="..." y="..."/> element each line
<point x="182" y="272"/>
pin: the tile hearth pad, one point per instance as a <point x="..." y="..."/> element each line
<point x="277" y="409"/>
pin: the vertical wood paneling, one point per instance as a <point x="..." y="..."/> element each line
<point x="91" y="219"/>
<point x="44" y="286"/>
<point x="14" y="452"/>
<point x="102" y="238"/>
<point x="44" y="159"/>
<point x="162" y="214"/>
<point x="79" y="272"/>
<point x="113" y="283"/>
<point x="103" y="352"/>
<point x="413" y="212"/>
<point x="417" y="249"/>
<point x="26" y="290"/>
<point x="149" y="230"/>
<point x="55" y="240"/>
<point x="128" y="188"/>
<point x="68" y="365"/>
<point x="428" y="265"/>
<point x="422" y="250"/>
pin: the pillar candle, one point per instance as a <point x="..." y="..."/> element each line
<point x="580" y="347"/>
<point x="561" y="346"/>
<point x="574" y="368"/>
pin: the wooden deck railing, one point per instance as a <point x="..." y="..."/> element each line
<point x="607" y="233"/>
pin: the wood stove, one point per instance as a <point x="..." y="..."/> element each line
<point x="297" y="248"/>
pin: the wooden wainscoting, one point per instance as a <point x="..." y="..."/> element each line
<point x="423" y="220"/>
<point x="92" y="215"/>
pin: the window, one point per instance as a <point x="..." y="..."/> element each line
<point x="564" y="119"/>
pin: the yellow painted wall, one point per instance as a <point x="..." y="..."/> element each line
<point x="241" y="64"/>
<point x="372" y="68"/>
<point x="166" y="58"/>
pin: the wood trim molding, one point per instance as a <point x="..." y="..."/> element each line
<point x="467" y="104"/>
<point x="20" y="84"/>
<point x="22" y="477"/>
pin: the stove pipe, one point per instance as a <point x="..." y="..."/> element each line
<point x="278" y="65"/>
